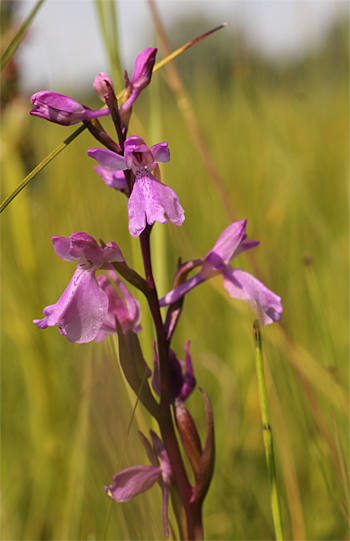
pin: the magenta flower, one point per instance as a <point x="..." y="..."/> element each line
<point x="82" y="309"/>
<point x="133" y="481"/>
<point x="128" y="311"/>
<point x="150" y="200"/>
<point x="181" y="384"/>
<point x="238" y="283"/>
<point x="62" y="109"/>
<point x="140" y="78"/>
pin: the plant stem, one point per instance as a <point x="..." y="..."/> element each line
<point x="267" y="434"/>
<point x="166" y="425"/>
<point x="152" y="297"/>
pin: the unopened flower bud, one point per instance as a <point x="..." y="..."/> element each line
<point x="206" y="463"/>
<point x="102" y="85"/>
<point x="143" y="68"/>
<point x="189" y="434"/>
<point x="140" y="78"/>
<point x="62" y="109"/>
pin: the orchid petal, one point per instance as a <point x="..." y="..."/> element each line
<point x="134" y="143"/>
<point x="132" y="482"/>
<point x="88" y="248"/>
<point x="150" y="201"/>
<point x="181" y="290"/>
<point x="112" y="252"/>
<point x="108" y="158"/>
<point x="128" y="311"/>
<point x="161" y="153"/>
<point x="113" y="179"/>
<point x="80" y="311"/>
<point x="62" y="247"/>
<point x="242" y="285"/>
<point x="136" y="153"/>
<point x="244" y="246"/>
<point x="226" y="245"/>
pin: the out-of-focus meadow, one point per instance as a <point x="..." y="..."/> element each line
<point x="279" y="139"/>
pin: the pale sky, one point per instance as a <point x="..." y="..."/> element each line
<point x="65" y="49"/>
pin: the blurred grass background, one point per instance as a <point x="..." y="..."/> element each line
<point x="279" y="138"/>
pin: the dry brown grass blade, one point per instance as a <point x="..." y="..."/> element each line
<point x="184" y="103"/>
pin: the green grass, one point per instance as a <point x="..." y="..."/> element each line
<point x="281" y="151"/>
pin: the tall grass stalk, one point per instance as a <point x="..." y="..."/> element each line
<point x="267" y="433"/>
<point x="106" y="11"/>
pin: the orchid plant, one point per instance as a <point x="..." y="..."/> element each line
<point x="92" y="307"/>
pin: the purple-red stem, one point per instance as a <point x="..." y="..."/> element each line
<point x="192" y="510"/>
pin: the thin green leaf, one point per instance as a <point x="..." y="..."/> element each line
<point x="15" y="43"/>
<point x="267" y="434"/>
<point x="108" y="20"/>
<point x="41" y="166"/>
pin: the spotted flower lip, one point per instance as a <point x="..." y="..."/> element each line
<point x="62" y="109"/>
<point x="134" y="481"/>
<point x="239" y="284"/>
<point x="150" y="200"/>
<point x="82" y="309"/>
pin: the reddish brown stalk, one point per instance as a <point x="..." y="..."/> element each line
<point x="192" y="510"/>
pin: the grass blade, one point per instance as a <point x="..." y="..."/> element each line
<point x="267" y="433"/>
<point x="41" y="166"/>
<point x="15" y="43"/>
<point x="108" y="21"/>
